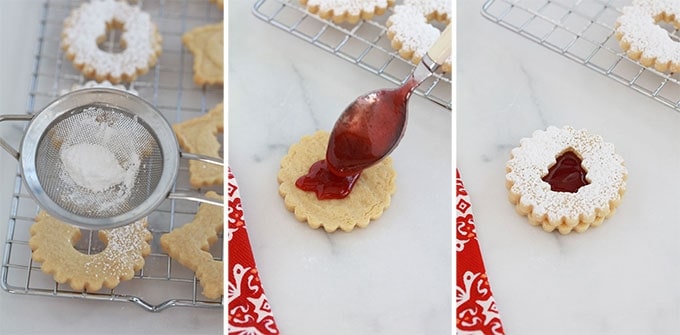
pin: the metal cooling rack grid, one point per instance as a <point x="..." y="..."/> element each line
<point x="583" y="31"/>
<point x="163" y="282"/>
<point x="364" y="44"/>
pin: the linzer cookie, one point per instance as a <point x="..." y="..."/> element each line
<point x="643" y="39"/>
<point x="566" y="179"/>
<point x="52" y="243"/>
<point x="411" y="32"/>
<point x="347" y="10"/>
<point x="199" y="136"/>
<point x="368" y="199"/>
<point x="190" y="245"/>
<point x="206" y="43"/>
<point x="87" y="26"/>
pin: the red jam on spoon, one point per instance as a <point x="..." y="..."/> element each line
<point x="567" y="174"/>
<point x="366" y="132"/>
<point x="369" y="129"/>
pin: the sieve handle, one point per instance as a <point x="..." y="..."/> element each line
<point x="196" y="197"/>
<point x="13" y="117"/>
<point x="202" y="158"/>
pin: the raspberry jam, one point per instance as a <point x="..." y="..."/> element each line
<point x="567" y="174"/>
<point x="366" y="132"/>
<point x="326" y="184"/>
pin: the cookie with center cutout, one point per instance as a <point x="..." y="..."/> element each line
<point x="52" y="244"/>
<point x="565" y="179"/>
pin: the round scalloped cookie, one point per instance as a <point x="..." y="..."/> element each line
<point x="370" y="196"/>
<point x="347" y="10"/>
<point x="601" y="179"/>
<point x="644" y="40"/>
<point x="87" y="26"/>
<point x="52" y="244"/>
<point x="410" y="30"/>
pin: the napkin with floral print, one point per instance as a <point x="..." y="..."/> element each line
<point x="476" y="311"/>
<point x="248" y="309"/>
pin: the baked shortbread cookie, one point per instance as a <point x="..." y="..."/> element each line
<point x="52" y="243"/>
<point x="370" y="196"/>
<point x="347" y="10"/>
<point x="644" y="40"/>
<point x="199" y="136"/>
<point x="190" y="244"/>
<point x="206" y="43"/>
<point x="566" y="179"/>
<point x="87" y="26"/>
<point x="411" y="32"/>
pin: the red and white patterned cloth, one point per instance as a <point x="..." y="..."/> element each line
<point x="248" y="309"/>
<point x="476" y="311"/>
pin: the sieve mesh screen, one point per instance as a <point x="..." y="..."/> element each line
<point x="98" y="161"/>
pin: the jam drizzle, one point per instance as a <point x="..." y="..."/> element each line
<point x="326" y="184"/>
<point x="567" y="174"/>
<point x="366" y="132"/>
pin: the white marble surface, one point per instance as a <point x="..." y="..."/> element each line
<point x="620" y="278"/>
<point x="22" y="314"/>
<point x="392" y="277"/>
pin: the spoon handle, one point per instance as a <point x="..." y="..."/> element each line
<point x="441" y="49"/>
<point x="435" y="56"/>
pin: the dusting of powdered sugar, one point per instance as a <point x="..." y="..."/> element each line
<point x="637" y="27"/>
<point x="124" y="253"/>
<point x="100" y="157"/>
<point x="432" y="7"/>
<point x="351" y="7"/>
<point x="93" y="166"/>
<point x="89" y="22"/>
<point x="409" y="25"/>
<point x="532" y="159"/>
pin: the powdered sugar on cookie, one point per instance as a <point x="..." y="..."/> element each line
<point x="590" y="204"/>
<point x="347" y="10"/>
<point x="52" y="245"/>
<point x="410" y="31"/>
<point x="643" y="39"/>
<point x="433" y="9"/>
<point x="87" y="26"/>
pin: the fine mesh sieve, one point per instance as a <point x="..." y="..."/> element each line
<point x="100" y="158"/>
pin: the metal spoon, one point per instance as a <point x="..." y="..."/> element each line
<point x="369" y="129"/>
<point x="372" y="126"/>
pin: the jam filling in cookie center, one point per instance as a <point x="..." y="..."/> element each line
<point x="326" y="184"/>
<point x="366" y="132"/>
<point x="567" y="174"/>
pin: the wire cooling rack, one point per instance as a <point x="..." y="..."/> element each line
<point x="364" y="44"/>
<point x="583" y="31"/>
<point x="163" y="282"/>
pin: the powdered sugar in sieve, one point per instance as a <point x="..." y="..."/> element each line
<point x="98" y="161"/>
